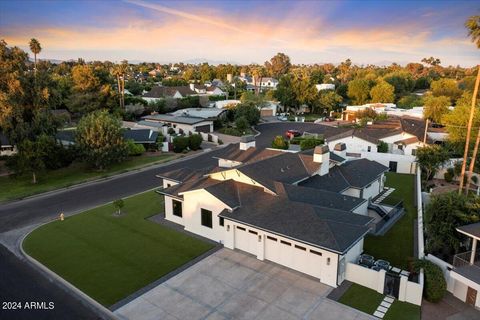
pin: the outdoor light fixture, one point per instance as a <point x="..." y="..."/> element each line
<point x="228" y="227"/>
<point x="259" y="238"/>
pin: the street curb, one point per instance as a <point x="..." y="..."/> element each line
<point x="89" y="302"/>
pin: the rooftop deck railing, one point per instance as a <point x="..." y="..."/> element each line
<point x="463" y="260"/>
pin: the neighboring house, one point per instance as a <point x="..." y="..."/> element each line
<point x="465" y="275"/>
<point x="181" y="124"/>
<point x="208" y="90"/>
<point x="269" y="109"/>
<point x="205" y="113"/>
<point x="155" y="72"/>
<point x="6" y="147"/>
<point x="254" y="83"/>
<point x="161" y="92"/>
<point x="280" y="206"/>
<point x="325" y="86"/>
<point x="225" y="103"/>
<point x="402" y="135"/>
<point x="139" y="136"/>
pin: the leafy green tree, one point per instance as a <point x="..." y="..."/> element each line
<point x="447" y="88"/>
<point x="195" y="141"/>
<point x="134" y="149"/>
<point x="180" y="144"/>
<point x="278" y="65"/>
<point x="435" y="284"/>
<point x="402" y="81"/>
<point x="410" y="101"/>
<point x="328" y="100"/>
<point x="443" y="214"/>
<point x="383" y="92"/>
<point x="118" y="204"/>
<point x="310" y="143"/>
<point x="431" y="61"/>
<point x="280" y="142"/>
<point x="206" y="72"/>
<point x="382" y="147"/>
<point x="284" y="92"/>
<point x="241" y="123"/>
<point x="30" y="158"/>
<point x="473" y="26"/>
<point x="430" y="158"/>
<point x="435" y="108"/>
<point x="359" y="90"/>
<point x="249" y="111"/>
<point x="35" y="48"/>
<point x="100" y="140"/>
<point x="456" y="121"/>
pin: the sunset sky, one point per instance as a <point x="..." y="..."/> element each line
<point x="244" y="31"/>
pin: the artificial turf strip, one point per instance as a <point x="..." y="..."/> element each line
<point x="403" y="311"/>
<point x="368" y="300"/>
<point x="396" y="245"/>
<point x="109" y="257"/>
<point x="361" y="298"/>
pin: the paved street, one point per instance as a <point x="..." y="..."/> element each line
<point x="233" y="285"/>
<point x="19" y="282"/>
<point x="270" y="130"/>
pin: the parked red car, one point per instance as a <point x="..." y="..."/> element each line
<point x="292" y="133"/>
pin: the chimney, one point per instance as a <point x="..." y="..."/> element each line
<point x="247" y="142"/>
<point x="321" y="154"/>
<point x="192" y="86"/>
<point x="340" y="149"/>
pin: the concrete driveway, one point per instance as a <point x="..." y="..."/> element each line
<point x="233" y="285"/>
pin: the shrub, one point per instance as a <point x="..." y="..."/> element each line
<point x="382" y="147"/>
<point x="241" y="123"/>
<point x="134" y="149"/>
<point x="435" y="284"/>
<point x="448" y="176"/>
<point x="220" y="141"/>
<point x="310" y="143"/>
<point x="279" y="142"/>
<point x="180" y="144"/>
<point x="230" y="132"/>
<point x="194" y="141"/>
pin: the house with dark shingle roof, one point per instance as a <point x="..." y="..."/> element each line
<point x="301" y="210"/>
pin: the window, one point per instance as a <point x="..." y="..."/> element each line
<point x="400" y="147"/>
<point x="271" y="238"/>
<point x="414" y="152"/>
<point x="315" y="252"/>
<point x="301" y="248"/>
<point x="251" y="231"/>
<point x="369" y="148"/>
<point x="168" y="185"/>
<point x="206" y="218"/>
<point x="285" y="242"/>
<point x="177" y="208"/>
<point x="221" y="221"/>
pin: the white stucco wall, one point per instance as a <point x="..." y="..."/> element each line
<point x="237" y="176"/>
<point x="193" y="202"/>
<point x="354" y="145"/>
<point x="169" y="211"/>
<point x="362" y="209"/>
<point x="372" y="190"/>
<point x="168" y="183"/>
<point x="289" y="256"/>
<point x="369" y="278"/>
<point x="405" y="163"/>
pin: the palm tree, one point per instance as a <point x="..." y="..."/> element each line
<point x="119" y="71"/>
<point x="35" y="48"/>
<point x="473" y="27"/>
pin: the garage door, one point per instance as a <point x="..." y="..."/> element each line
<point x="266" y="113"/>
<point x="246" y="240"/>
<point x="294" y="256"/>
<point x="204" y="129"/>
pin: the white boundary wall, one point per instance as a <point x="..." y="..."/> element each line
<point x="369" y="278"/>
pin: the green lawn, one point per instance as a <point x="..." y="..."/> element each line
<point x="396" y="245"/>
<point x="109" y="257"/>
<point x="16" y="188"/>
<point x="361" y="298"/>
<point x="367" y="300"/>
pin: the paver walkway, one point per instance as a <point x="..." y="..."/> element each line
<point x="383" y="307"/>
<point x="384" y="195"/>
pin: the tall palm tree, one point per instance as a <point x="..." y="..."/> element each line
<point x="473" y="27"/>
<point x="35" y="48"/>
<point x="119" y="71"/>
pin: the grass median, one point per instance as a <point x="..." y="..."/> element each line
<point x="110" y="256"/>
<point x="21" y="187"/>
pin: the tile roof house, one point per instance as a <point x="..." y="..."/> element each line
<point x="302" y="210"/>
<point x="403" y="137"/>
